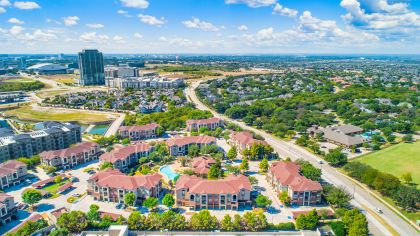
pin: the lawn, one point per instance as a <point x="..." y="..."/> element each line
<point x="65" y="79"/>
<point x="44" y="114"/>
<point x="51" y="93"/>
<point x="396" y="160"/>
<point x="19" y="80"/>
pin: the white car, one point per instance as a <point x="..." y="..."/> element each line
<point x="378" y="210"/>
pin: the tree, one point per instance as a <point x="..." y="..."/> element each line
<point x="285" y="198"/>
<point x="355" y="223"/>
<point x="336" y="196"/>
<point x="59" y="232"/>
<point x="307" y="221"/>
<point x="160" y="131"/>
<point x="29" y="228"/>
<point x="130" y="199"/>
<point x="105" y="222"/>
<point x="253" y="180"/>
<point x="136" y="221"/>
<point x="106" y="165"/>
<point x="407" y="177"/>
<point x="232" y="153"/>
<point x="93" y="214"/>
<point x="262" y="201"/>
<point x="193" y="150"/>
<point x="226" y="224"/>
<point x="74" y="221"/>
<point x="254" y="221"/>
<point x="336" y="157"/>
<point x="168" y="200"/>
<point x="215" y="170"/>
<point x="408" y="138"/>
<point x="244" y="166"/>
<point x="263" y="165"/>
<point x="203" y="220"/>
<point x="237" y="223"/>
<point x="58" y="179"/>
<point x="309" y="171"/>
<point x="386" y="183"/>
<point x="151" y="202"/>
<point x="171" y="220"/>
<point x="31" y="197"/>
<point x="408" y="198"/>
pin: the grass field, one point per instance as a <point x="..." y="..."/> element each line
<point x="51" y="93"/>
<point x="65" y="79"/>
<point x="19" y="80"/>
<point x="44" y="114"/>
<point x="396" y="160"/>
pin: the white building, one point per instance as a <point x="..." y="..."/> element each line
<point x="143" y="82"/>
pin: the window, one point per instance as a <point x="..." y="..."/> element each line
<point x="192" y="197"/>
<point x="234" y="198"/>
<point x="183" y="193"/>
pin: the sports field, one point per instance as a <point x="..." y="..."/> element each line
<point x="396" y="160"/>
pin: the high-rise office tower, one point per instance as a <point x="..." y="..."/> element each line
<point x="91" y="65"/>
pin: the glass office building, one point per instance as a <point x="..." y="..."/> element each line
<point x="91" y="65"/>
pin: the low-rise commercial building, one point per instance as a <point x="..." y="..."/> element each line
<point x="125" y="157"/>
<point x="178" y="146"/>
<point x="50" y="136"/>
<point x="11" y="173"/>
<point x="228" y="193"/>
<point x="344" y="135"/>
<point x="139" y="132"/>
<point x="285" y="176"/>
<point x="210" y="123"/>
<point x="111" y="185"/>
<point x="69" y="157"/>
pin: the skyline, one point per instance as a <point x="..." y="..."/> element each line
<point x="211" y="27"/>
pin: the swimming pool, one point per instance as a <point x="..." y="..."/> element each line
<point x="99" y="129"/>
<point x="167" y="170"/>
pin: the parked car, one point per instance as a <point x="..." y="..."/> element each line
<point x="120" y="206"/>
<point x="28" y="181"/>
<point x="91" y="172"/>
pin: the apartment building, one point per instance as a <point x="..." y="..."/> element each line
<point x="244" y="140"/>
<point x="211" y="123"/>
<point x="125" y="157"/>
<point x="69" y="157"/>
<point x="111" y="185"/>
<point x="139" y="132"/>
<point x="156" y="82"/>
<point x="178" y="146"/>
<point x="198" y="193"/>
<point x="7" y="208"/>
<point x="50" y="136"/>
<point x="11" y="173"/>
<point x="201" y="165"/>
<point x="285" y="176"/>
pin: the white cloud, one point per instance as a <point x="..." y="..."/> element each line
<point x="243" y="28"/>
<point x="138" y="36"/>
<point x="381" y="16"/>
<point x="196" y="23"/>
<point x="26" y="5"/>
<point x="95" y="26"/>
<point x="93" y="37"/>
<point x="2" y="10"/>
<point x="118" y="38"/>
<point x="39" y="35"/>
<point x="70" y="20"/>
<point x="182" y="42"/>
<point x="124" y="13"/>
<point x="15" y="21"/>
<point x="5" y="3"/>
<point x="141" y="4"/>
<point x="284" y="11"/>
<point x="252" y="3"/>
<point x="15" y="30"/>
<point x="151" y="20"/>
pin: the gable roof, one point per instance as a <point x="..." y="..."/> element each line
<point x="204" y="121"/>
<point x="74" y="150"/>
<point x="124" y="152"/>
<point x="115" y="179"/>
<point x="10" y="167"/>
<point x="246" y="138"/>
<point x="185" y="140"/>
<point x="229" y="185"/>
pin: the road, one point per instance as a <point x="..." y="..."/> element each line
<point x="115" y="125"/>
<point x="362" y="197"/>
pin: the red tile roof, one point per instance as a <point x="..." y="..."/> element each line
<point x="58" y="212"/>
<point x="204" y="121"/>
<point x="10" y="167"/>
<point x="124" y="152"/>
<point x="4" y="196"/>
<point x="115" y="179"/>
<point x="76" y="149"/>
<point x="138" y="128"/>
<point x="288" y="174"/>
<point x="112" y="215"/>
<point x="185" y="140"/>
<point x="202" y="164"/>
<point x="229" y="185"/>
<point x="64" y="187"/>
<point x="246" y="138"/>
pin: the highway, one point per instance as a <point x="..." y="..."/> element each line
<point x="363" y="198"/>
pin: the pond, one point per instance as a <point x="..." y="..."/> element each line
<point x="167" y="170"/>
<point x="99" y="129"/>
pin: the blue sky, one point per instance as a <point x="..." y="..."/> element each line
<point x="210" y="26"/>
